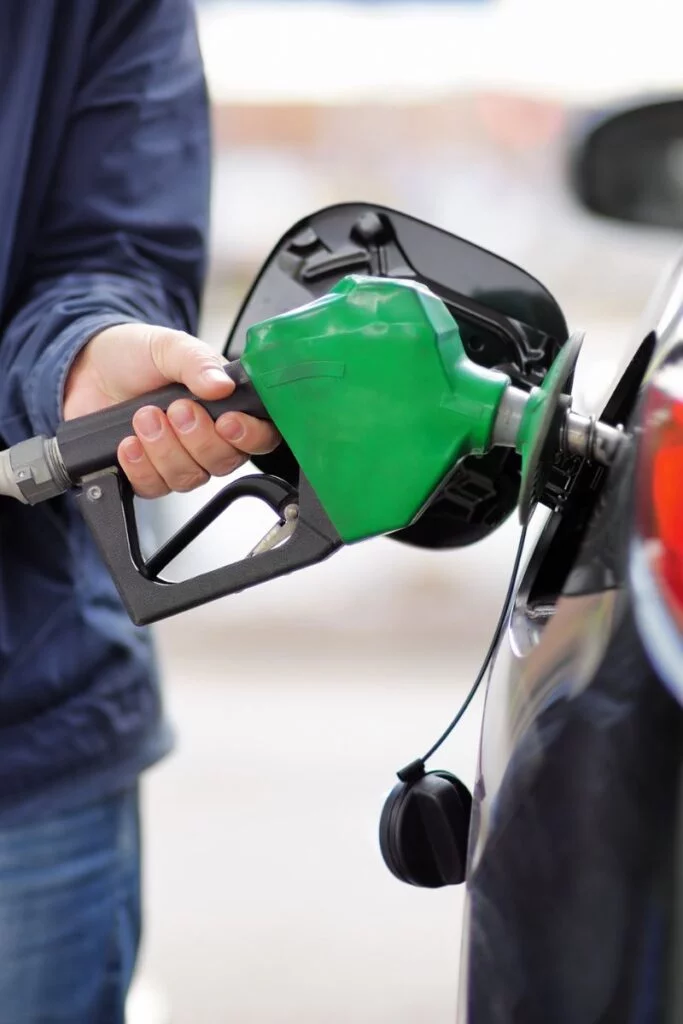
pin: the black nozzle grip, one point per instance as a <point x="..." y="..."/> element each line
<point x="89" y="444"/>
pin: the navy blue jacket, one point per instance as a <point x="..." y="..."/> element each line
<point x="104" y="182"/>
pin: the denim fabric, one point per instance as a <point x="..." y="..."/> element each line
<point x="70" y="914"/>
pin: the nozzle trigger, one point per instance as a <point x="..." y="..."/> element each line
<point x="106" y="501"/>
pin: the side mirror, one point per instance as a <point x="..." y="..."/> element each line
<point x="507" y="321"/>
<point x="629" y="166"/>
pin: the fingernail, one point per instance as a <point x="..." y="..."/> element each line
<point x="132" y="449"/>
<point x="182" y="416"/>
<point x="148" y="423"/>
<point x="212" y="375"/>
<point x="230" y="428"/>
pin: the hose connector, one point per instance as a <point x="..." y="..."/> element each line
<point x="32" y="471"/>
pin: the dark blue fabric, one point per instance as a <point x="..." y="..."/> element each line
<point x="104" y="183"/>
<point x="70" y="914"/>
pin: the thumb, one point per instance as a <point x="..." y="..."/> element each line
<point x="179" y="357"/>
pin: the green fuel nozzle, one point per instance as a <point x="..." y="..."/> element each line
<point x="378" y="401"/>
<point x="373" y="392"/>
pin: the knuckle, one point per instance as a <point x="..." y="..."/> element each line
<point x="265" y="440"/>
<point x="271" y="442"/>
<point x="150" y="489"/>
<point x="139" y="476"/>
<point x="184" y="482"/>
<point x="157" y="343"/>
<point x="163" y="343"/>
<point x="206" y="358"/>
<point x="225" y="464"/>
<point x="215" y="455"/>
<point x="146" y="482"/>
<point x="205" y="448"/>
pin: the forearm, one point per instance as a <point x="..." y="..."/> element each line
<point x="122" y="233"/>
<point x="55" y="320"/>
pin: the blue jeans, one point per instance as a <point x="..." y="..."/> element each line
<point x="70" y="914"/>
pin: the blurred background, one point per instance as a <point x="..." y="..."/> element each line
<point x="295" y="703"/>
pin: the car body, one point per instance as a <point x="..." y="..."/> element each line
<point x="575" y="865"/>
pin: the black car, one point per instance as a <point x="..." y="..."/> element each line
<point x="575" y="863"/>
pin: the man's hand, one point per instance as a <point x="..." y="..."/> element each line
<point x="179" y="450"/>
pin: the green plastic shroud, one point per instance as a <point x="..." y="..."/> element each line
<point x="373" y="392"/>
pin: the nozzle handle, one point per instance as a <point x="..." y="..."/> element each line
<point x="107" y="505"/>
<point x="89" y="443"/>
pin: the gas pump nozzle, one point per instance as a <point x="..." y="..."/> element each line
<point x="373" y="392"/>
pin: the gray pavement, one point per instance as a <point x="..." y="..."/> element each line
<point x="267" y="900"/>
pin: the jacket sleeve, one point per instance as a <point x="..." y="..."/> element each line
<point x="122" y="236"/>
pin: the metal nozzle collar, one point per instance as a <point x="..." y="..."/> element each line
<point x="32" y="471"/>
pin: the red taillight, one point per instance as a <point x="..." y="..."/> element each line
<point x="660" y="484"/>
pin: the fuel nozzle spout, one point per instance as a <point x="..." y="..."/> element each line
<point x="573" y="434"/>
<point x="541" y="424"/>
<point x="590" y="438"/>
